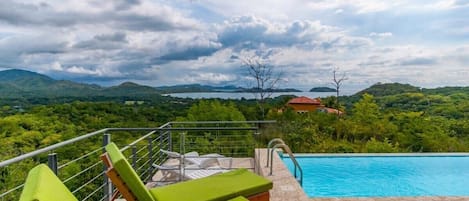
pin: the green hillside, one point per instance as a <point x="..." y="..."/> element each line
<point x="380" y="89"/>
<point x="31" y="87"/>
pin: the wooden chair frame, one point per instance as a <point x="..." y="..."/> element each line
<point x="117" y="181"/>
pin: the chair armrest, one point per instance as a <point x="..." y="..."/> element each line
<point x="222" y="162"/>
<point x="165" y="167"/>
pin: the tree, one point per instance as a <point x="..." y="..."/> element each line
<point x="337" y="82"/>
<point x="264" y="78"/>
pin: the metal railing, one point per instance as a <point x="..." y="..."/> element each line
<point x="279" y="143"/>
<point x="84" y="174"/>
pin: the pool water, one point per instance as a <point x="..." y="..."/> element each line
<point x="384" y="176"/>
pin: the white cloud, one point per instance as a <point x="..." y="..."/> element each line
<point x="381" y="35"/>
<point x="338" y="11"/>
<point x="82" y="70"/>
<point x="161" y="42"/>
<point x="360" y="6"/>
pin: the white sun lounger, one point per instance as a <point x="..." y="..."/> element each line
<point x="190" y="171"/>
<point x="203" y="161"/>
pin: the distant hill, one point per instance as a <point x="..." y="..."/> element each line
<point x="253" y="90"/>
<point x="322" y="89"/>
<point x="21" y="84"/>
<point x="193" y="88"/>
<point x="386" y="89"/>
<point x="129" y="89"/>
<point x="196" y="88"/>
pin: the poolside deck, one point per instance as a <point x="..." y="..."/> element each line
<point x="394" y="199"/>
<point x="286" y="188"/>
<point x="285" y="185"/>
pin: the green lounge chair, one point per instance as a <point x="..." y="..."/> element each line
<point x="43" y="185"/>
<point x="221" y="187"/>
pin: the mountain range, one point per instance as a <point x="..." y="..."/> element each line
<point x="15" y="84"/>
<point x="18" y="84"/>
<point x="26" y="86"/>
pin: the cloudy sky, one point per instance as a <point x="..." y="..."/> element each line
<point x="166" y="42"/>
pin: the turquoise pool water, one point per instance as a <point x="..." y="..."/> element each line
<point x="384" y="176"/>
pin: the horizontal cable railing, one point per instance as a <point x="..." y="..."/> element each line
<point x="84" y="173"/>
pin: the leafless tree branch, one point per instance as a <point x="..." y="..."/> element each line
<point x="337" y="82"/>
<point x="265" y="79"/>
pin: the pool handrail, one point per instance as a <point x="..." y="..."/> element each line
<point x="287" y="149"/>
<point x="279" y="140"/>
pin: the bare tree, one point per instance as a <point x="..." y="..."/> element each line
<point x="337" y="82"/>
<point x="264" y="80"/>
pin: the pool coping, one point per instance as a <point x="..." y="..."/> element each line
<point x="285" y="186"/>
<point x="416" y="154"/>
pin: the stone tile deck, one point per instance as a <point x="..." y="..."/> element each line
<point x="285" y="185"/>
<point x="394" y="199"/>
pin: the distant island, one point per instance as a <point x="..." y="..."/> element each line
<point x="322" y="89"/>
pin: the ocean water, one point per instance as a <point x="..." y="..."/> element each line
<point x="384" y="176"/>
<point x="227" y="95"/>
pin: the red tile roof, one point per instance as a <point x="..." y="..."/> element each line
<point x="305" y="100"/>
<point x="333" y="111"/>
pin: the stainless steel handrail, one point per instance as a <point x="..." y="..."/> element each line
<point x="287" y="149"/>
<point x="155" y="142"/>
<point x="269" y="147"/>
<point x="67" y="142"/>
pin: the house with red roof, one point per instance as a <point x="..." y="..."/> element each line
<point x="304" y="104"/>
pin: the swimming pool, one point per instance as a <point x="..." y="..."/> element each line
<point x="384" y="176"/>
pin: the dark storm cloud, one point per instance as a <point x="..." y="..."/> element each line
<point x="145" y="23"/>
<point x="125" y="4"/>
<point x="44" y="15"/>
<point x="13" y="49"/>
<point x="248" y="32"/>
<point x="189" y="54"/>
<point x="104" y="41"/>
<point x="31" y="14"/>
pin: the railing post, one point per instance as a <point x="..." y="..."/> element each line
<point x="182" y="150"/>
<point x="107" y="187"/>
<point x="182" y="143"/>
<point x="134" y="157"/>
<point x="52" y="162"/>
<point x="150" y="156"/>
<point x="170" y="139"/>
<point x="161" y="145"/>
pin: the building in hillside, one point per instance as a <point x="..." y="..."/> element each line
<point x="304" y="104"/>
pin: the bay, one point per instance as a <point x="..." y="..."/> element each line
<point x="231" y="95"/>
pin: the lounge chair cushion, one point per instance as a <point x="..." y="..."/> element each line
<point x="239" y="198"/>
<point x="220" y="187"/>
<point x="43" y="185"/>
<point x="127" y="173"/>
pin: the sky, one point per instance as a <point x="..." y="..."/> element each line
<point x="167" y="42"/>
